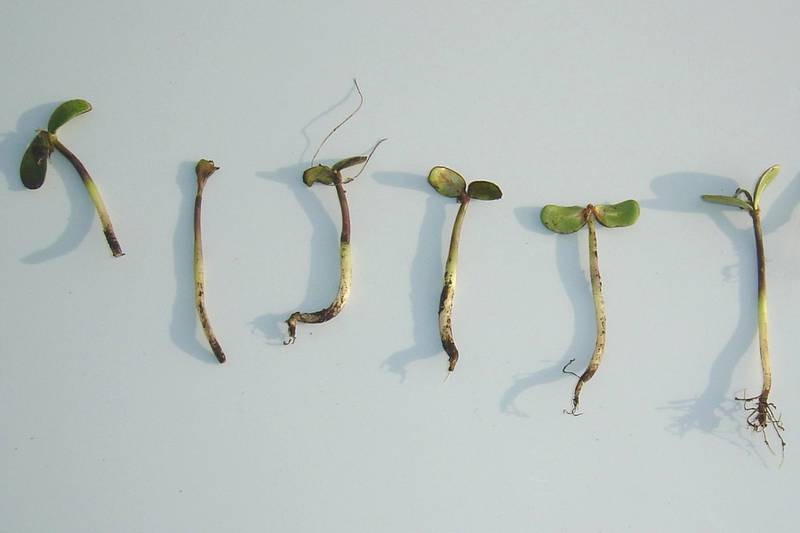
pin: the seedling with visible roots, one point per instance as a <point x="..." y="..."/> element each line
<point x="204" y="170"/>
<point x="451" y="184"/>
<point x="332" y="175"/>
<point x="33" y="167"/>
<point x="569" y="219"/>
<point x="761" y="412"/>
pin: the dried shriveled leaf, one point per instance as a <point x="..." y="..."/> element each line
<point x="765" y="179"/>
<point x="447" y="182"/>
<point x="617" y="215"/>
<point x="66" y="112"/>
<point x="484" y="190"/>
<point x="349" y="162"/>
<point x="319" y="173"/>
<point x="727" y="200"/>
<point x="33" y="167"/>
<point x="563" y="219"/>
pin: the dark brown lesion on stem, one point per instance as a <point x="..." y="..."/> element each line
<point x="448" y="342"/>
<point x="216" y="348"/>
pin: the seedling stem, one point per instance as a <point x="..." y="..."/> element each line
<point x="204" y="170"/>
<point x="333" y="176"/>
<point x="449" y="287"/>
<point x="762" y="414"/>
<point x="345" y="271"/>
<point x="94" y="195"/>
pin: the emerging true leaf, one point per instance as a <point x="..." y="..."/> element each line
<point x="34" y="162"/>
<point x="563" y="219"/>
<point x="765" y="179"/>
<point x="66" y="112"/>
<point x="727" y="200"/>
<point x="349" y="162"/>
<point x="484" y="190"/>
<point x="617" y="215"/>
<point x="447" y="182"/>
<point x="319" y="173"/>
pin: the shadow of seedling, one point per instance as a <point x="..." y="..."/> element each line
<point x="323" y="246"/>
<point x="425" y="281"/>
<point x="681" y="192"/>
<point x="573" y="278"/>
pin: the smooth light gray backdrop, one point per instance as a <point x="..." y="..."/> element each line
<point x="114" y="415"/>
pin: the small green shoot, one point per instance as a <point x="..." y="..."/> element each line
<point x="451" y="184"/>
<point x="204" y="169"/>
<point x="561" y="219"/>
<point x="33" y="168"/>
<point x="332" y="175"/>
<point x="761" y="412"/>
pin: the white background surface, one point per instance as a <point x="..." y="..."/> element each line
<point x="114" y="415"/>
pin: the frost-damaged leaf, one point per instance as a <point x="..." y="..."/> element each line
<point x="765" y="179"/>
<point x="33" y="167"/>
<point x="617" y="215"/>
<point x="66" y="112"/>
<point x="727" y="200"/>
<point x="349" y="162"/>
<point x="447" y="182"/>
<point x="484" y="190"/>
<point x="563" y="219"/>
<point x="320" y="173"/>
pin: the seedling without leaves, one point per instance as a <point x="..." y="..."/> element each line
<point x="204" y="170"/>
<point x="761" y="410"/>
<point x="450" y="183"/>
<point x="33" y="168"/>
<point x="332" y="176"/>
<point x="569" y="219"/>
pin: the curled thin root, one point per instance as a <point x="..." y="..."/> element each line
<point x="565" y="371"/>
<point x="573" y="411"/>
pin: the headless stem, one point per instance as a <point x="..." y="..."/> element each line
<point x="449" y="288"/>
<point x="199" y="281"/>
<point x="345" y="274"/>
<point x="599" y="310"/>
<point x="94" y="194"/>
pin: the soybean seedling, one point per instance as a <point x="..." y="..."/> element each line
<point x="33" y="168"/>
<point x="569" y="219"/>
<point x="451" y="184"/>
<point x="761" y="410"/>
<point x="332" y="176"/>
<point x="204" y="170"/>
